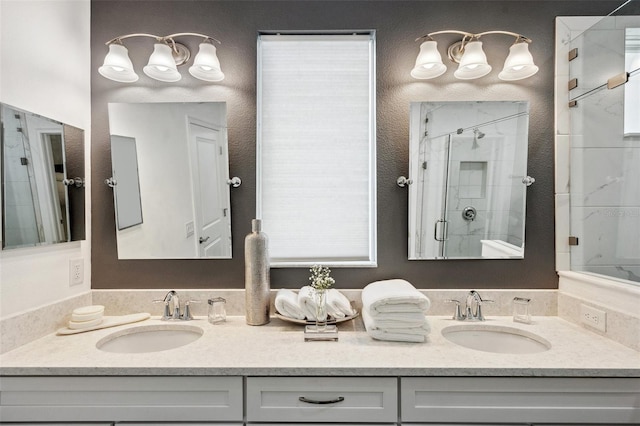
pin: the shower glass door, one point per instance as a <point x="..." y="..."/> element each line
<point x="605" y="149"/>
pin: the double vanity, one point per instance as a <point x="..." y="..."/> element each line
<point x="496" y="371"/>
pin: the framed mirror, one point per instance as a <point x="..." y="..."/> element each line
<point x="468" y="163"/>
<point x="43" y="196"/>
<point x="170" y="180"/>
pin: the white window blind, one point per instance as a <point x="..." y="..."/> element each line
<point x="316" y="148"/>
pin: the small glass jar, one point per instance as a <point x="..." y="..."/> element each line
<point x="217" y="310"/>
<point x="521" y="311"/>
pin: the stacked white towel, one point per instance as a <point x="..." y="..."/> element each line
<point x="303" y="304"/>
<point x="395" y="310"/>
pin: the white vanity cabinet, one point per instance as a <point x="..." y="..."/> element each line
<point x="342" y="400"/>
<point x="519" y="400"/>
<point x="121" y="398"/>
<point x="302" y="400"/>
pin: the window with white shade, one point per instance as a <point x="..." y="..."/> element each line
<point x="316" y="192"/>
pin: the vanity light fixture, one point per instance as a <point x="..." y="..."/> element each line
<point x="163" y="63"/>
<point x="471" y="59"/>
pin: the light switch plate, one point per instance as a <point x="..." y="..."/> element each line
<point x="189" y="227"/>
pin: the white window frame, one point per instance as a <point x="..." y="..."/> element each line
<point x="298" y="259"/>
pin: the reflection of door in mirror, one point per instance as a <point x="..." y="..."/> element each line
<point x="208" y="164"/>
<point x="35" y="198"/>
<point x="183" y="171"/>
<point x="467" y="162"/>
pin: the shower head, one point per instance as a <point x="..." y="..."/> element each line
<point x="477" y="134"/>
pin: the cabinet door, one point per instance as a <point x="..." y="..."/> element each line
<point x="322" y="399"/>
<point x="113" y="399"/>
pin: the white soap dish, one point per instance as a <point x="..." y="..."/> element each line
<point x="87" y="313"/>
<point x="81" y="325"/>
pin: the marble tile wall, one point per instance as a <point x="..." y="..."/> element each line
<point x="603" y="171"/>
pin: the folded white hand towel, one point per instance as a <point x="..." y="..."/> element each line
<point x="307" y="302"/>
<point x="393" y="296"/>
<point x="287" y="304"/>
<point x="409" y="334"/>
<point x="338" y="306"/>
<point x="398" y="319"/>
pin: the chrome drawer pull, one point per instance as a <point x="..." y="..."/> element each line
<point x="314" y="401"/>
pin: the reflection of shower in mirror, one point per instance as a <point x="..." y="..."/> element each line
<point x="472" y="150"/>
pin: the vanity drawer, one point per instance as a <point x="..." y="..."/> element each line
<point x="346" y="399"/>
<point x="86" y="399"/>
<point x="519" y="400"/>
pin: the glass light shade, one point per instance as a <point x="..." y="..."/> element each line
<point x="117" y="65"/>
<point x="519" y="63"/>
<point x="206" y="65"/>
<point x="429" y="62"/>
<point x="161" y="64"/>
<point x="473" y="63"/>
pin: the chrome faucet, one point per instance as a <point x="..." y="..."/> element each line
<point x="171" y="298"/>
<point x="172" y="307"/>
<point x="473" y="307"/>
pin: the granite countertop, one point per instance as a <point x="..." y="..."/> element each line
<point x="279" y="349"/>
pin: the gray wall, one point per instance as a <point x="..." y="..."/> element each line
<point x="398" y="23"/>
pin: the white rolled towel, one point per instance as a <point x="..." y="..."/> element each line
<point x="338" y="306"/>
<point x="407" y="334"/>
<point x="307" y="302"/>
<point x="287" y="304"/>
<point x="393" y="296"/>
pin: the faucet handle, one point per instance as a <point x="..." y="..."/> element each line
<point x="187" y="310"/>
<point x="167" y="314"/>
<point x="457" y="314"/>
<point x="480" y="303"/>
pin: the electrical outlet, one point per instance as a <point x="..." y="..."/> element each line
<point x="76" y="271"/>
<point x="190" y="228"/>
<point x="593" y="317"/>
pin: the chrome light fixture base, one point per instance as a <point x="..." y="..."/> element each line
<point x="180" y="53"/>
<point x="455" y="51"/>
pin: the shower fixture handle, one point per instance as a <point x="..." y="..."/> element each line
<point x="528" y="180"/>
<point x="469" y="213"/>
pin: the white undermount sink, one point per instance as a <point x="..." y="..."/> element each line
<point x="496" y="338"/>
<point x="150" y="338"/>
